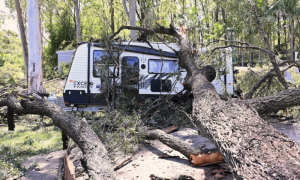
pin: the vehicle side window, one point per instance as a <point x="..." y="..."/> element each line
<point x="162" y="66"/>
<point x="101" y="64"/>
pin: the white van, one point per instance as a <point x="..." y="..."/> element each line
<point x="154" y="67"/>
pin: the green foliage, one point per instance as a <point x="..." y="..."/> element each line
<point x="25" y="141"/>
<point x="247" y="79"/>
<point x="125" y="135"/>
<point x="60" y="25"/>
<point x="12" y="69"/>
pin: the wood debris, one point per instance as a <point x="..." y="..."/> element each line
<point x="206" y="159"/>
<point x="165" y="155"/>
<point x="171" y="129"/>
<point x="125" y="162"/>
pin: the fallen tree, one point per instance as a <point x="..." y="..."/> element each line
<point x="92" y="148"/>
<point x="252" y="148"/>
<point x="96" y="160"/>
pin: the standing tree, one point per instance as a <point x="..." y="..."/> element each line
<point x="77" y="21"/>
<point x="35" y="75"/>
<point x="131" y="15"/>
<point x="23" y="35"/>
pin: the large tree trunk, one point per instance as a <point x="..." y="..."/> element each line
<point x="96" y="160"/>
<point x="22" y="35"/>
<point x="252" y="148"/>
<point x="35" y="75"/>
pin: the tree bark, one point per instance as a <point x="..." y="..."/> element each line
<point x="78" y="32"/>
<point x="35" y="75"/>
<point x="22" y="35"/>
<point x="172" y="142"/>
<point x="96" y="160"/>
<point x="132" y="18"/>
<point x="278" y="28"/>
<point x="292" y="39"/>
<point x="112" y="21"/>
<point x="125" y="8"/>
<point x="275" y="102"/>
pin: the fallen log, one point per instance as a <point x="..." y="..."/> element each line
<point x="96" y="161"/>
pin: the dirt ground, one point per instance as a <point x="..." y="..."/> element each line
<point x="144" y="162"/>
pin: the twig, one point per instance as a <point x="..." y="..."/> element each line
<point x="232" y="45"/>
<point x="217" y="40"/>
<point x="122" y="164"/>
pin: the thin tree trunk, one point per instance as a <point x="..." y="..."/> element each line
<point x="269" y="48"/>
<point x="217" y="14"/>
<point x="112" y="16"/>
<point x="35" y="75"/>
<point x="183" y="7"/>
<point x="78" y="32"/>
<point x="132" y="18"/>
<point x="205" y="14"/>
<point x="278" y="28"/>
<point x="285" y="41"/>
<point x="126" y="9"/>
<point x="250" y="57"/>
<point x="23" y="36"/>
<point x="224" y="20"/>
<point x="243" y="58"/>
<point x="292" y="40"/>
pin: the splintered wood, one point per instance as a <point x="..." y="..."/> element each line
<point x="171" y="129"/>
<point x="206" y="159"/>
<point x="69" y="169"/>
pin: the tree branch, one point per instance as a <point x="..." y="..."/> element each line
<point x="244" y="47"/>
<point x="145" y="30"/>
<point x="239" y="42"/>
<point x="269" y="49"/>
<point x="268" y="75"/>
<point x="274" y="103"/>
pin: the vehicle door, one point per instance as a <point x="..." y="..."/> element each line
<point x="130" y="76"/>
<point x="101" y="74"/>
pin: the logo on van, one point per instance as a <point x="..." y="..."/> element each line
<point x="79" y="84"/>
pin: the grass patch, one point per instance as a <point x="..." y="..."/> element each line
<point x="25" y="141"/>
